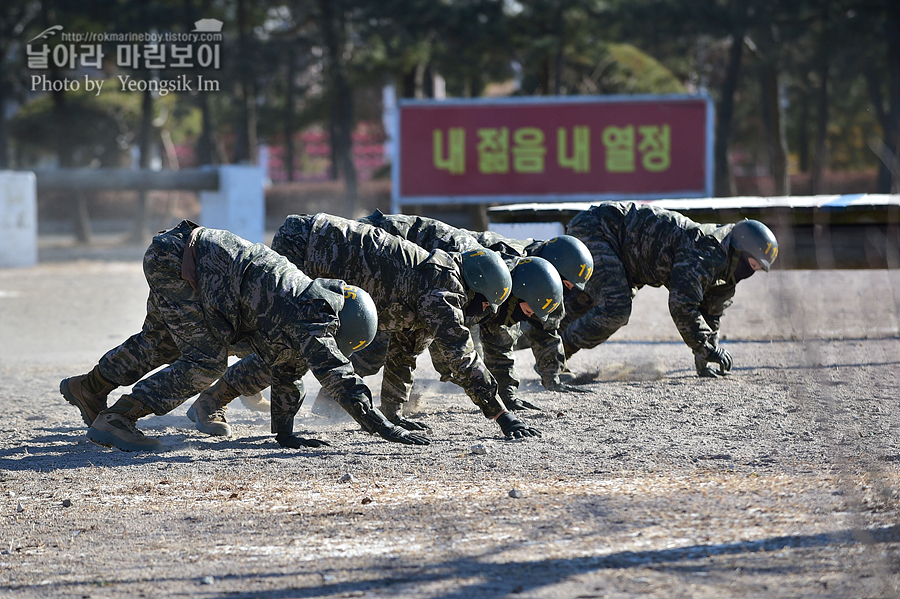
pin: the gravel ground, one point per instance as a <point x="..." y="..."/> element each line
<point x="781" y="480"/>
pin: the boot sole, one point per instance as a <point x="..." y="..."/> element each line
<point x="70" y="397"/>
<point x="107" y="439"/>
<point x="214" y="431"/>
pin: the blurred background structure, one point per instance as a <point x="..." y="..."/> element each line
<point x="806" y="93"/>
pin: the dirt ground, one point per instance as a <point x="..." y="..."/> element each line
<point x="781" y="480"/>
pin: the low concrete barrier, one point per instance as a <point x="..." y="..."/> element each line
<point x="18" y="219"/>
<point x="231" y="196"/>
<point x="238" y="205"/>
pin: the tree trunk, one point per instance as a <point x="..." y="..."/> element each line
<point x="345" y="156"/>
<point x="803" y="141"/>
<point x="888" y="114"/>
<point x="775" y="134"/>
<point x="81" y="224"/>
<point x="341" y="126"/>
<point x="139" y="229"/>
<point x="4" y="132"/>
<point x="205" y="150"/>
<point x="723" y="176"/>
<point x="558" y="58"/>
<point x="821" y="158"/>
<point x="245" y="131"/>
<point x="289" y="118"/>
<point x="891" y="183"/>
<point x="408" y="83"/>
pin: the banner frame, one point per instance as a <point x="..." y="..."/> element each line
<point x="397" y="201"/>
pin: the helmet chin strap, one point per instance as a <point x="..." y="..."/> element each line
<point x="474" y="306"/>
<point x="734" y="257"/>
<point x="740" y="268"/>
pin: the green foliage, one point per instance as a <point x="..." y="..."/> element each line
<point x="543" y="46"/>
<point x="639" y="73"/>
<point x="99" y="128"/>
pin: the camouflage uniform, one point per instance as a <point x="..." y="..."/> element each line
<point x="420" y="297"/>
<point x="635" y="245"/>
<point x="498" y="332"/>
<point x="237" y="292"/>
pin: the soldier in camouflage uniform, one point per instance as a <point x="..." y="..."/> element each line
<point x="500" y="332"/>
<point x="209" y="290"/>
<point x="421" y="299"/>
<point x="639" y="244"/>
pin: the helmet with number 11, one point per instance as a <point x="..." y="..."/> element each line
<point x="570" y="257"/>
<point x="753" y="239"/>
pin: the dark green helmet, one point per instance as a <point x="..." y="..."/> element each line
<point x="571" y="258"/>
<point x="359" y="321"/>
<point x="754" y="239"/>
<point x="536" y="281"/>
<point x="486" y="273"/>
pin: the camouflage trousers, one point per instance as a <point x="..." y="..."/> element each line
<point x="604" y="306"/>
<point x="370" y="360"/>
<point x="174" y="334"/>
<point x="500" y="363"/>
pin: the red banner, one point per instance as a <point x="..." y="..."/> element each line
<point x="563" y="149"/>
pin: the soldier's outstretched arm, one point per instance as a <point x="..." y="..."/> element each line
<point x="444" y="314"/>
<point x="711" y="308"/>
<point x="336" y="374"/>
<point x="687" y="284"/>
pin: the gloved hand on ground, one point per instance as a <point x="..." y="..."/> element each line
<point x="514" y="428"/>
<point x="519" y="404"/>
<point x="396" y="434"/>
<point x="292" y="441"/>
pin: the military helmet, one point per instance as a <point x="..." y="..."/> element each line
<point x="486" y="273"/>
<point x="537" y="282"/>
<point x="359" y="320"/>
<point x="754" y="239"/>
<point x="571" y="258"/>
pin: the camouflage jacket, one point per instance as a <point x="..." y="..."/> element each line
<point x="432" y="234"/>
<point x="497" y="341"/>
<point x="413" y="289"/>
<point x="661" y="248"/>
<point x="519" y="248"/>
<point x="251" y="294"/>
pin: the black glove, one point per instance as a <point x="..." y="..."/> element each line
<point x="373" y="421"/>
<point x="514" y="428"/>
<point x="717" y="355"/>
<point x="410" y="425"/>
<point x="392" y="412"/>
<point x="396" y="434"/>
<point x="291" y="441"/>
<point x="720" y="357"/>
<point x="708" y="373"/>
<point x="519" y="404"/>
<point x="555" y="384"/>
